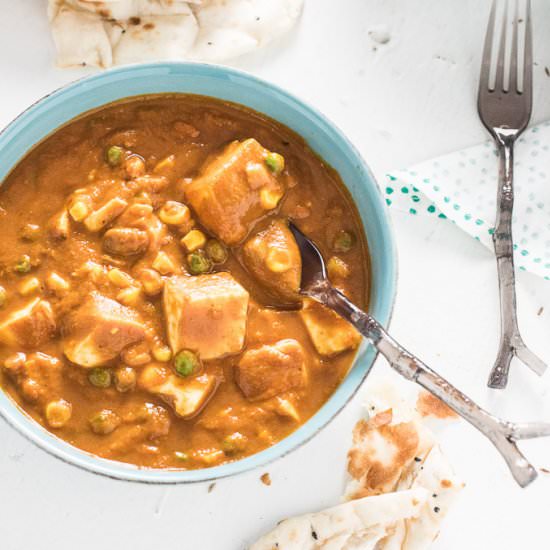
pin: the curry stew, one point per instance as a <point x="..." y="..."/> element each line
<point x="149" y="307"/>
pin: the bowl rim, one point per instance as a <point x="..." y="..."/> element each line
<point x="16" y="417"/>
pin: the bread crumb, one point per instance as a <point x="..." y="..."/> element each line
<point x="266" y="479"/>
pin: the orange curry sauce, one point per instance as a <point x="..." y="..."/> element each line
<point x="54" y="257"/>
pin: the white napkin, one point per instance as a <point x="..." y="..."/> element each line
<point x="462" y="187"/>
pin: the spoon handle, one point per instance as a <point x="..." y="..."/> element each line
<point x="501" y="433"/>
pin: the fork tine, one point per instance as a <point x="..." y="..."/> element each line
<point x="487" y="50"/>
<point x="528" y="57"/>
<point x="513" y="87"/>
<point x="499" y="77"/>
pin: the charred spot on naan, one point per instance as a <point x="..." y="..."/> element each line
<point x="429" y="405"/>
<point x="380" y="453"/>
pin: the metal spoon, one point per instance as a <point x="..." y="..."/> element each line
<point x="501" y="433"/>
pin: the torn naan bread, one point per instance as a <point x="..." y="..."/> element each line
<point x="114" y="32"/>
<point x="80" y="39"/>
<point x="389" y="455"/>
<point x="357" y="524"/>
<point x="236" y="27"/>
<point x="168" y="38"/>
<point x="383" y="452"/>
<point x="393" y="456"/>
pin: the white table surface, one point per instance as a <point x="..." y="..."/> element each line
<point x="410" y="99"/>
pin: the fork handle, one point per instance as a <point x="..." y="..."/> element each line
<point x="511" y="342"/>
<point x="504" y="251"/>
<point x="502" y="434"/>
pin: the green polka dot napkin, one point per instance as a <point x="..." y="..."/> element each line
<point x="462" y="187"/>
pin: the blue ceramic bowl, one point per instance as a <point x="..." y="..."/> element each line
<point x="61" y="106"/>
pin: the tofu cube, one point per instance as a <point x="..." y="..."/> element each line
<point x="99" y="330"/>
<point x="270" y="370"/>
<point x="273" y="258"/>
<point x="227" y="196"/>
<point x="187" y="396"/>
<point x="30" y="326"/>
<point x="329" y="333"/>
<point x="206" y="314"/>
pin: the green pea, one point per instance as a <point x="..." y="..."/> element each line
<point x="104" y="422"/>
<point x="114" y="155"/>
<point x="216" y="251"/>
<point x="234" y="444"/>
<point x="183" y="457"/>
<point x="24" y="264"/>
<point x="344" y="241"/>
<point x="3" y="296"/>
<point x="275" y="162"/>
<point x="100" y="377"/>
<point x="198" y="263"/>
<point x="186" y="363"/>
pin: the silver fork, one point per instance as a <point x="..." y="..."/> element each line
<point x="505" y="109"/>
<point x="503" y="434"/>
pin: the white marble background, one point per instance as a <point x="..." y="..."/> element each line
<point x="410" y="99"/>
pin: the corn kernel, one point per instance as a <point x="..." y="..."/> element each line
<point x="164" y="264"/>
<point x="94" y="270"/>
<point x="56" y="283"/>
<point x="194" y="240"/>
<point x="209" y="456"/>
<point x="174" y="213"/>
<point x="152" y="281"/>
<point x="269" y="198"/>
<point x="79" y="211"/>
<point x="152" y="376"/>
<point x="120" y="278"/>
<point x="28" y="286"/>
<point x="134" y="166"/>
<point x="125" y="379"/>
<point x="165" y="165"/>
<point x="162" y="354"/>
<point x="129" y="296"/>
<point x="58" y="413"/>
<point x="337" y="268"/>
<point x="278" y="260"/>
<point x="97" y="272"/>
